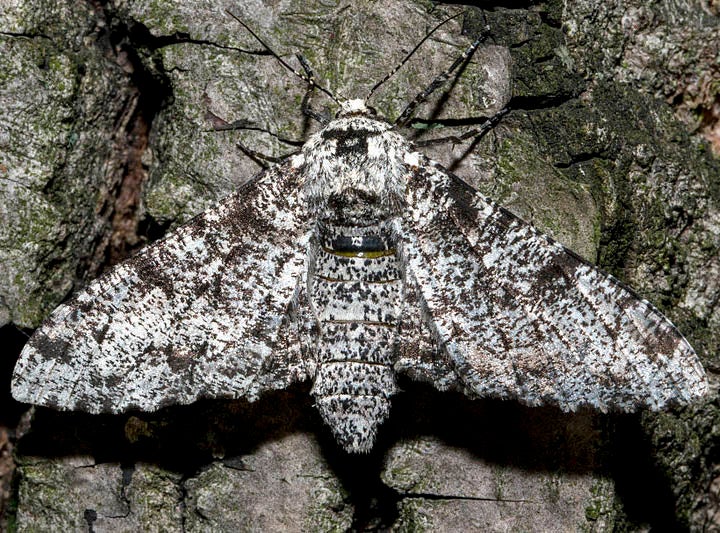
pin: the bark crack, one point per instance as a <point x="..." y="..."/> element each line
<point x="126" y="169"/>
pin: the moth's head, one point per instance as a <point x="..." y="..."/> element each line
<point x="356" y="107"/>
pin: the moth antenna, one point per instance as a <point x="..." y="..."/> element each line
<point x="407" y="57"/>
<point x="309" y="80"/>
<point x="307" y="68"/>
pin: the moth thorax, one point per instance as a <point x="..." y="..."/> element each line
<point x="354" y="169"/>
<point x="356" y="106"/>
<point x="355" y="207"/>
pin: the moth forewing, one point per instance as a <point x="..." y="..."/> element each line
<point x="196" y="314"/>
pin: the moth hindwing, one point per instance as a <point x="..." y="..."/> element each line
<point x="354" y="260"/>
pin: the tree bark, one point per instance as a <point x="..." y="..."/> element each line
<point x="106" y="142"/>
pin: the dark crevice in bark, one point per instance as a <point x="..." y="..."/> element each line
<point x="456" y="497"/>
<point x="709" y="127"/>
<point x="506" y="4"/>
<point x="127" y="474"/>
<point x="183" y="496"/>
<point x="12" y="339"/>
<point x="535" y="103"/>
<point x="149" y="91"/>
<point x="643" y="491"/>
<point x="374" y="504"/>
<point x="11" y="423"/>
<point x="140" y="33"/>
<point x="21" y="35"/>
<point x="423" y="124"/>
<point x="90" y="516"/>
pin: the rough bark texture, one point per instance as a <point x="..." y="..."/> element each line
<point x="105" y="109"/>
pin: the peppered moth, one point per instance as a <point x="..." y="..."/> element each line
<point x="354" y="260"/>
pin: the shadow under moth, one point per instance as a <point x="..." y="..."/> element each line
<point x="347" y="263"/>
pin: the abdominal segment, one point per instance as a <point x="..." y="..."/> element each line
<point x="356" y="293"/>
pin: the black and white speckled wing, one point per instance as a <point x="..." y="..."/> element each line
<point x="519" y="316"/>
<point x="204" y="312"/>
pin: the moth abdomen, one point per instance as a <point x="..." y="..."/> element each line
<point x="371" y="267"/>
<point x="356" y="294"/>
<point x="353" y="398"/>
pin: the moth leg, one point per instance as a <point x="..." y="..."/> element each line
<point x="306" y="109"/>
<point x="260" y="158"/>
<point x="309" y="111"/>
<point x="438" y="82"/>
<point x="474" y="134"/>
<point x="219" y="124"/>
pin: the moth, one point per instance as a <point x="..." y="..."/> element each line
<point x="348" y="263"/>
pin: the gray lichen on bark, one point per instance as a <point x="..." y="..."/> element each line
<point x="591" y="154"/>
<point x="62" y="105"/>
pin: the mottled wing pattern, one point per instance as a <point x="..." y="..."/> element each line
<point x="201" y="313"/>
<point x="519" y="316"/>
